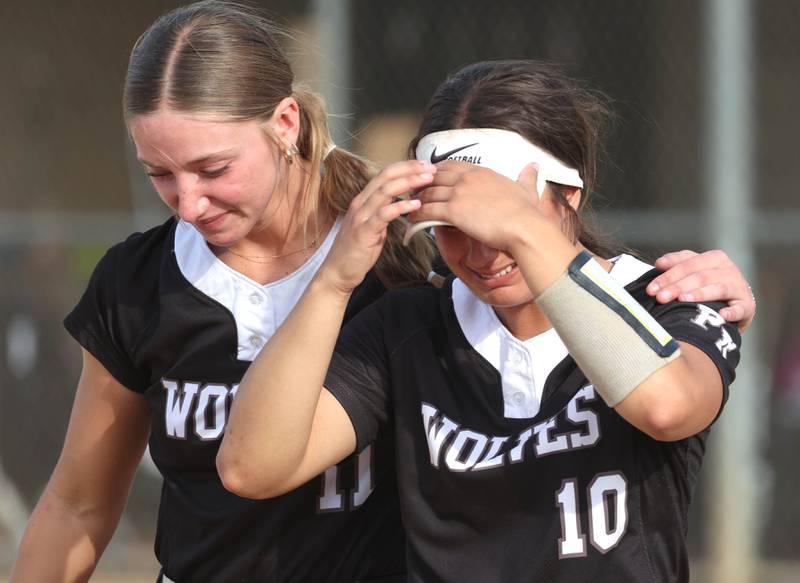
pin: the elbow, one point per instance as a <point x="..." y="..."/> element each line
<point x="678" y="416"/>
<point x="667" y="422"/>
<point x="664" y="412"/>
<point x="235" y="478"/>
<point x="672" y="405"/>
<point x="239" y="478"/>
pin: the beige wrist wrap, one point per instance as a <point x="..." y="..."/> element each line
<point x="614" y="341"/>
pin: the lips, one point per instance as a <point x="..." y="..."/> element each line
<point x="496" y="278"/>
<point x="505" y="271"/>
<point x="211" y="223"/>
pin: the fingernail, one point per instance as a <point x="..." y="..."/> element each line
<point x="426" y="176"/>
<point x="653" y="288"/>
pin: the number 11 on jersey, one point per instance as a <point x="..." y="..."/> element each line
<point x="332" y="498"/>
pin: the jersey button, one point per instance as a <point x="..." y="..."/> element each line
<point x="516" y="357"/>
<point x="519" y="398"/>
<point x="255" y="299"/>
<point x="256" y="341"/>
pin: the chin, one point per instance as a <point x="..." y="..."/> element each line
<point x="507" y="300"/>
<point x="226" y="237"/>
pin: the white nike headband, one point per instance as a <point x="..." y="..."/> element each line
<point x="503" y="151"/>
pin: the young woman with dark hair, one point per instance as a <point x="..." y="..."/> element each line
<point x="549" y="416"/>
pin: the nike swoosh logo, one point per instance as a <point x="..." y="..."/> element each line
<point x="435" y="159"/>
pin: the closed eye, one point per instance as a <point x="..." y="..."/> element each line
<point x="214" y="172"/>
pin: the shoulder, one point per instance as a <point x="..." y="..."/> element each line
<point x="698" y="324"/>
<point x="399" y="314"/>
<point x="140" y="249"/>
<point x="135" y="263"/>
<point x="120" y="301"/>
<point x="127" y="279"/>
<point x="635" y="275"/>
<point x="632" y="272"/>
<point x="416" y="303"/>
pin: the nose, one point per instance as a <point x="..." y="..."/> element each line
<point x="191" y="203"/>
<point x="481" y="254"/>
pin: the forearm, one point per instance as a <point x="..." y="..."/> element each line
<point x="271" y="420"/>
<point x="634" y="364"/>
<point x="80" y="508"/>
<point x="62" y="542"/>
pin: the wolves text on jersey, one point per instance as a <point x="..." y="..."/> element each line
<point x="469" y="450"/>
<point x="181" y="396"/>
<point x="207" y="406"/>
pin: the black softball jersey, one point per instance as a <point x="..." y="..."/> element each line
<point x="511" y="468"/>
<point x="171" y="321"/>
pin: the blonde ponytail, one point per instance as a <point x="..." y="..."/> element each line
<point x="334" y="181"/>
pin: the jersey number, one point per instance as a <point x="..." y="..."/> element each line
<point x="608" y="514"/>
<point x="332" y="497"/>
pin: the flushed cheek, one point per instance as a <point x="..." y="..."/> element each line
<point x="233" y="193"/>
<point x="453" y="262"/>
<point x="452" y="248"/>
<point x="256" y="188"/>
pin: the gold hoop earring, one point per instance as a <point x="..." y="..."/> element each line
<point x="290" y="152"/>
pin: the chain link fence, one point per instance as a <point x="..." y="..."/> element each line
<point x="70" y="189"/>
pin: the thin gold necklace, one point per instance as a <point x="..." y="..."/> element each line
<point x="268" y="258"/>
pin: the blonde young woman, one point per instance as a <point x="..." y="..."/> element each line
<point x="172" y="318"/>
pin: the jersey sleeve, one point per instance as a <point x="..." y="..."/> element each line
<point x="702" y="326"/>
<point x="97" y="326"/>
<point x="358" y="375"/>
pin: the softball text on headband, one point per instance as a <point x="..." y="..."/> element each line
<point x="503" y="151"/>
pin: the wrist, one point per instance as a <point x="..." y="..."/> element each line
<point x="534" y="233"/>
<point x="542" y="252"/>
<point x="327" y="285"/>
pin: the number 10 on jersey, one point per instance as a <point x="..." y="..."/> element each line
<point x="608" y="514"/>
